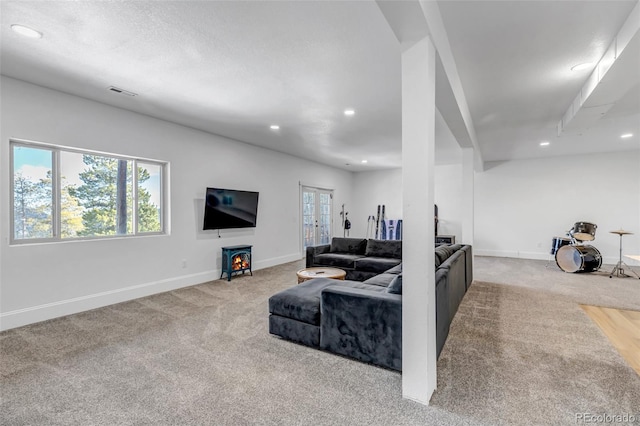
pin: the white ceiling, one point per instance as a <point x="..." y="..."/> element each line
<point x="234" y="68"/>
<point x="514" y="59"/>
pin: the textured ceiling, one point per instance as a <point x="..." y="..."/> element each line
<point x="235" y="68"/>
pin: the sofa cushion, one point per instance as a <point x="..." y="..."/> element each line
<point x="395" y="286"/>
<point x="395" y="270"/>
<point x="348" y="245"/>
<point x="384" y="248"/>
<point x="443" y="253"/>
<point x="381" y="280"/>
<point x="338" y="260"/>
<point x="362" y="325"/>
<point x="376" y="264"/>
<point x="297" y="331"/>
<point x="302" y="302"/>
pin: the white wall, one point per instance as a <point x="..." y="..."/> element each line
<point x="48" y="280"/>
<point x="371" y="189"/>
<point x="521" y="205"/>
<point x="385" y="187"/>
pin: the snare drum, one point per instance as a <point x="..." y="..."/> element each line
<point x="558" y="242"/>
<point x="584" y="231"/>
<point x="578" y="258"/>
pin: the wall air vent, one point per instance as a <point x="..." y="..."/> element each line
<point x="122" y="91"/>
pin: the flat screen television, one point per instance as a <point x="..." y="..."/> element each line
<point x="229" y="208"/>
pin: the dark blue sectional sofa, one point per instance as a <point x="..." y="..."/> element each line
<point x="363" y="319"/>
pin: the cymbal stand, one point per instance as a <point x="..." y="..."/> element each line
<point x="618" y="269"/>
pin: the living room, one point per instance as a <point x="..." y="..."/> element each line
<point x="520" y="203"/>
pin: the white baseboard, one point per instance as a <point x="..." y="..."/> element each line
<point x="606" y="260"/>
<point x="33" y="314"/>
<point x="267" y="263"/>
<point x="495" y="253"/>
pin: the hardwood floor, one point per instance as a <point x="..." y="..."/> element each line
<point x="622" y="328"/>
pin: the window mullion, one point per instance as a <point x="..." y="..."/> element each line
<point x="162" y="205"/>
<point x="134" y="192"/>
<point x="56" y="192"/>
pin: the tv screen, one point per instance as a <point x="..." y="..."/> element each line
<point x="228" y="208"/>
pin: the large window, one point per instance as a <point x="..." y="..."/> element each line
<point x="61" y="194"/>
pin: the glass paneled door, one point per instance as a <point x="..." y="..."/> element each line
<point x="316" y="216"/>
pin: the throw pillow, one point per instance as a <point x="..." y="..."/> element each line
<point x="395" y="286"/>
<point x="443" y="253"/>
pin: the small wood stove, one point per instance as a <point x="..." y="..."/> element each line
<point x="236" y="259"/>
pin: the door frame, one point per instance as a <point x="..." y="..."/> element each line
<point x="301" y="187"/>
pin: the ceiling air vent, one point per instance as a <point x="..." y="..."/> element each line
<point x="122" y="91"/>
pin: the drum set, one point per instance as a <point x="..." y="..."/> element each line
<point x="572" y="254"/>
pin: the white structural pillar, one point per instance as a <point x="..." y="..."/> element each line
<point x="468" y="177"/>
<point x="418" y="288"/>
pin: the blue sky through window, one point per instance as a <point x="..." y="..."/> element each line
<point x="33" y="163"/>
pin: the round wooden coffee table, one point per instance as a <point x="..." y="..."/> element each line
<point x="320" y="272"/>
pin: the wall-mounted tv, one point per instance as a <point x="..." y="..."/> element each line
<point x="228" y="208"/>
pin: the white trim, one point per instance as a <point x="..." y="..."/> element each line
<point x="56" y="188"/>
<point x="47" y="311"/>
<point x="48" y="145"/>
<point x="317" y="211"/>
<point x="268" y="263"/>
<point x="606" y="260"/>
<point x="20" y="317"/>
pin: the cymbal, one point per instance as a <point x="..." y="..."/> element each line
<point x="621" y="232"/>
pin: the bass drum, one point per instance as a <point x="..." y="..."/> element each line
<point x="578" y="258"/>
<point x="558" y="242"/>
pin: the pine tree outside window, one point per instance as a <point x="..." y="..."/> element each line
<point x="63" y="194"/>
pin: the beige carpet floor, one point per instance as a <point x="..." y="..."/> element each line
<point x="521" y="351"/>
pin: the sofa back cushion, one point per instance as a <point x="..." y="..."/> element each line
<point x="384" y="248"/>
<point x="348" y="245"/>
<point x="395" y="286"/>
<point x="442" y="254"/>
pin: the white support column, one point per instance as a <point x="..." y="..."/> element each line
<point x="467" y="195"/>
<point x="418" y="140"/>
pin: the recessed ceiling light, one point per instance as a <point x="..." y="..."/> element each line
<point x="364" y="161"/>
<point x="581" y="67"/>
<point x="545" y="143"/>
<point x="349" y="112"/>
<point x="26" y="31"/>
<point x="274" y="127"/>
<point x="626" y="135"/>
